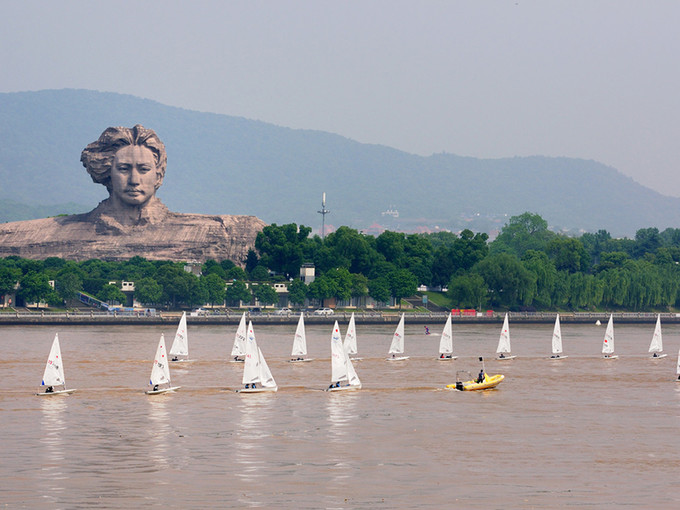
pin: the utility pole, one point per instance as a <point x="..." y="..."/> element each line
<point x="323" y="212"/>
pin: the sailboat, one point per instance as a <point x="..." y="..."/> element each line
<point x="446" y="342"/>
<point x="608" y="342"/>
<point x="257" y="377"/>
<point x="160" y="372"/>
<point x="677" y="370"/>
<point x="239" y="349"/>
<point x="350" y="342"/>
<point x="557" y="340"/>
<point x="53" y="377"/>
<point x="180" y="346"/>
<point x="300" y="342"/>
<point x="343" y="375"/>
<point x="503" y="350"/>
<point x="656" y="346"/>
<point x="397" y="345"/>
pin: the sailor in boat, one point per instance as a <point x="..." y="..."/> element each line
<point x="480" y="377"/>
<point x="655" y="355"/>
<point x="250" y="385"/>
<point x="49" y="389"/>
<point x="501" y="355"/>
<point x="155" y="387"/>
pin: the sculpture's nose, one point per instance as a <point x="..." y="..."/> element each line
<point x="133" y="176"/>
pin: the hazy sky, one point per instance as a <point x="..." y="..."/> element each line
<point x="579" y="78"/>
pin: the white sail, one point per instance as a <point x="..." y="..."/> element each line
<point x="677" y="371"/>
<point x="504" y="340"/>
<point x="180" y="346"/>
<point x="350" y="342"/>
<point x="300" y="340"/>
<point x="251" y="367"/>
<point x="446" y="341"/>
<point x="338" y="356"/>
<point x="160" y="373"/>
<point x="657" y="341"/>
<point x="239" y="348"/>
<point x="54" y="369"/>
<point x="266" y="377"/>
<point x="608" y="342"/>
<point x="397" y="345"/>
<point x="352" y="376"/>
<point x="557" y="337"/>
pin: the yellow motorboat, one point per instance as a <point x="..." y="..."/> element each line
<point x="489" y="382"/>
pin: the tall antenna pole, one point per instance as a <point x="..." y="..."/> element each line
<point x="323" y="212"/>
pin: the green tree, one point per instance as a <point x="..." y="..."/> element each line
<point x="297" y="292"/>
<point x="9" y="277"/>
<point x="237" y="292"/>
<point x="111" y="294"/>
<point x="468" y="291"/>
<point x="321" y="288"/>
<point x="402" y="284"/>
<point x="259" y="274"/>
<point x="359" y="287"/>
<point x="265" y="294"/>
<point x="341" y="283"/>
<point x="212" y="267"/>
<point x="522" y="233"/>
<point x="545" y="277"/>
<point x="68" y="284"/>
<point x="508" y="281"/>
<point x="458" y="256"/>
<point x="379" y="289"/>
<point x="35" y="287"/>
<point x="235" y="273"/>
<point x="148" y="291"/>
<point x="347" y="248"/>
<point x="282" y="248"/>
<point x="215" y="287"/>
<point x="568" y="254"/>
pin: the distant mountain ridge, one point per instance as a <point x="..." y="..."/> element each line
<point x="220" y="164"/>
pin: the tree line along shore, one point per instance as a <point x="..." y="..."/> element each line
<point x="526" y="268"/>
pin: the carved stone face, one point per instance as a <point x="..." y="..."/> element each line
<point x="133" y="175"/>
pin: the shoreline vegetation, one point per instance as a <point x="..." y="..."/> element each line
<point x="526" y="268"/>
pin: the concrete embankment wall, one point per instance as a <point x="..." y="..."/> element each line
<point x="72" y="319"/>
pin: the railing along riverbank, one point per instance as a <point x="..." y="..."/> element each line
<point x="361" y="317"/>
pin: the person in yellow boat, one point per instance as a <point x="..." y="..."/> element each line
<point x="480" y="377"/>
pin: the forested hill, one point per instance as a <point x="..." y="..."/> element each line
<point x="219" y="164"/>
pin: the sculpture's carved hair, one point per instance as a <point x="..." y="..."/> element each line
<point x="97" y="157"/>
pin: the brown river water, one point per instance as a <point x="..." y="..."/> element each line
<point x="583" y="432"/>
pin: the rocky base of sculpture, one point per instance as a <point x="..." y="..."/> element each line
<point x="163" y="236"/>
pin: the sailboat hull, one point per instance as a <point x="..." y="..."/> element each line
<point x="344" y="388"/>
<point x="557" y="357"/>
<point x="162" y="390"/>
<point x="658" y="356"/>
<point x="611" y="356"/>
<point x="450" y="358"/>
<point x="258" y="390"/>
<point x="60" y="392"/>
<point x="300" y="360"/>
<point x="505" y="358"/>
<point x="397" y="358"/>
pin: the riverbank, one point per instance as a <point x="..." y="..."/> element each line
<point x="388" y="317"/>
